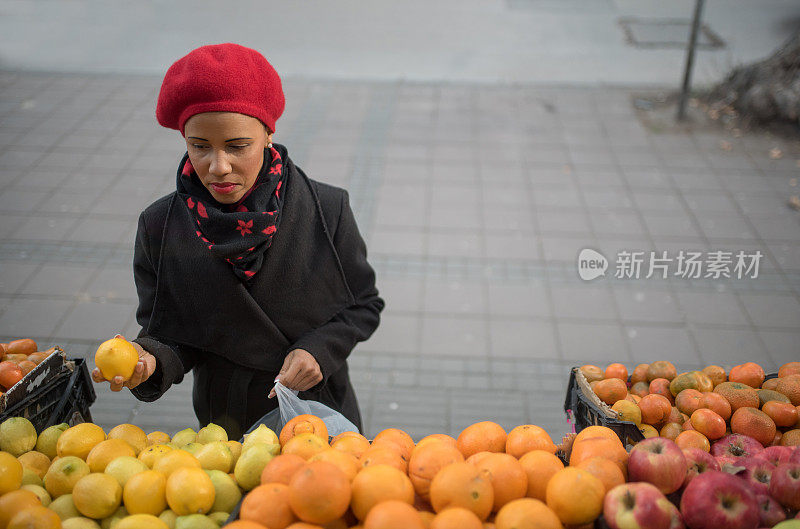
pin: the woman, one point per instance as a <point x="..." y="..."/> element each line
<point x="249" y="271"/>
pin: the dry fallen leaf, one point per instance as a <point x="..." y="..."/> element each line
<point x="793" y="182"/>
<point x="775" y="153"/>
<point x="794" y="202"/>
<point x="725" y="145"/>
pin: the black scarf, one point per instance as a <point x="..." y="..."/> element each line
<point x="239" y="233"/>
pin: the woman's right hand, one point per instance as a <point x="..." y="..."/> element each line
<point x="144" y="368"/>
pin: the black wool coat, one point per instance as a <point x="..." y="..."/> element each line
<point x="315" y="291"/>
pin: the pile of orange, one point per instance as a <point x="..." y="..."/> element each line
<point x="17" y="359"/>
<point x="484" y="476"/>
<point x="698" y="407"/>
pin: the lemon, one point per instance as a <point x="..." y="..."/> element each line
<point x="210" y="433"/>
<point x="168" y="517"/>
<point x="10" y="473"/>
<point x="97" y="495"/>
<point x="195" y="521"/>
<point x="236" y="451"/>
<point x="42" y="494"/>
<point x="157" y="438"/>
<point x="173" y="460"/>
<point x="226" y="492"/>
<point x="215" y="456"/>
<point x="17" y="436"/>
<point x="123" y="468"/>
<point x="141" y="521"/>
<point x="79" y="440"/>
<point x="64" y="507"/>
<point x="190" y="491"/>
<point x="192" y="448"/>
<point x="184" y="437"/>
<point x="145" y="493"/>
<point x="36" y="461"/>
<point x="79" y="523"/>
<point x="29" y="477"/>
<point x="130" y="433"/>
<point x="106" y="451"/>
<point x="250" y="465"/>
<point x="116" y="357"/>
<point x="111" y="522"/>
<point x="46" y="443"/>
<point x="63" y="474"/>
<point x="261" y="434"/>
<point x="219" y="517"/>
<point x="149" y="455"/>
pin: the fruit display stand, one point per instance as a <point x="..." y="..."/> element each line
<point x="58" y="390"/>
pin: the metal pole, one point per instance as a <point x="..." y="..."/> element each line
<point x="687" y="74"/>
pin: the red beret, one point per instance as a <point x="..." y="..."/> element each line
<point x="220" y="78"/>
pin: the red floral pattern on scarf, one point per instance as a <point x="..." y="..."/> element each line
<point x="238" y="233"/>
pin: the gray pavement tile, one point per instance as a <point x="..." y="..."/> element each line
<point x="552" y="176"/>
<point x="616" y="197"/>
<point x="583" y="301"/>
<point x="90" y="320"/>
<point x="642" y="304"/>
<point x="43" y="179"/>
<point x="401" y="294"/>
<point x="455" y="297"/>
<point x="786" y="254"/>
<point x="454" y="336"/>
<point x="511" y="195"/>
<point x="667" y="201"/>
<point x="690" y="181"/>
<point x="772" y="310"/>
<point x="526" y="339"/>
<point x="456" y="216"/>
<point x="782" y="346"/>
<point x="62" y="201"/>
<point x="678" y="226"/>
<point x="455" y="244"/>
<point x="710" y="307"/>
<point x="43" y="228"/>
<point x="561" y="248"/>
<point x="13" y="276"/>
<point x="651" y="343"/>
<point x="725" y="227"/>
<point x="398" y="241"/>
<point x="99" y="230"/>
<point x="731" y="347"/>
<point x="613" y="222"/>
<point x="563" y="195"/>
<point x="566" y="220"/>
<point x="32" y="317"/>
<point x="761" y="203"/>
<point x="526" y="300"/>
<point x="710" y="202"/>
<point x="645" y="178"/>
<point x="397" y="333"/>
<point x="596" y="343"/>
<point x="685" y="161"/>
<point x="59" y="280"/>
<point x="113" y="284"/>
<point x="637" y="156"/>
<point x="514" y="246"/>
<point x="505" y="218"/>
<point x="13" y="200"/>
<point x="785" y="227"/>
<point x="591" y="155"/>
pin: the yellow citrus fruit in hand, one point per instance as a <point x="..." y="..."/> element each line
<point x="116" y="357"/>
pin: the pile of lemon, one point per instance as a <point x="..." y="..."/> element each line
<point x="82" y="478"/>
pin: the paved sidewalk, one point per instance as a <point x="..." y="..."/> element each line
<point x="475" y="201"/>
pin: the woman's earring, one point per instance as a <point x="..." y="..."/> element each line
<point x="269" y="145"/>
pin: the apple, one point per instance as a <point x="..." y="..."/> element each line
<point x="769" y="510"/>
<point x="776" y="454"/>
<point x="732" y="447"/>
<point x="676" y="519"/>
<point x="659" y="461"/>
<point x="715" y="500"/>
<point x="785" y="485"/>
<point x="637" y="506"/>
<point x="757" y="473"/>
<point x="698" y="461"/>
<point x="795" y="457"/>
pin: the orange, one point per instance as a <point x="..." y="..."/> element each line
<point x="36" y="517"/>
<point x="13" y="502"/>
<point x="616" y="371"/>
<point x="269" y="505"/>
<point x="526" y="438"/>
<point x="463" y="485"/>
<point x="628" y="410"/>
<point x="134" y="436"/>
<point x="378" y="483"/>
<point x="738" y="395"/>
<point x="640" y="389"/>
<point x="791" y="438"/>
<point x="383" y="455"/>
<point x="693" y="439"/>
<point x="10" y="473"/>
<point x="319" y="493"/>
<point x="611" y="390"/>
<point x="592" y="373"/>
<point x="106" y="451"/>
<point x="244" y="524"/>
<point x="716" y="374"/>
<point x="351" y="442"/>
<point x="789" y="368"/>
<point x="540" y="467"/>
<point x="152" y="453"/>
<point x="456" y="518"/>
<point x="575" y="495"/>
<point x="755" y="423"/>
<point x="770" y="383"/>
<point x="116" y="357"/>
<point x="748" y="373"/>
<point x="597" y="431"/>
<point x="429" y="460"/>
<point x="396" y="438"/>
<point x="305" y="423"/>
<point x="648" y="431"/>
<point x="599" y="447"/>
<point x="97" y="495"/>
<point x="639" y="373"/>
<point x="790" y="386"/>
<point x="782" y="413"/>
<point x="709" y="424"/>
<point x="688" y="401"/>
<point x="305" y="445"/>
<point x="604" y="470"/>
<point x="393" y="514"/>
<point x="190" y="491"/>
<point x="436" y="437"/>
<point x="157" y="438"/>
<point x="677" y="416"/>
<point x="508" y="477"/>
<point x="661" y="369"/>
<point x="36" y="461"/>
<point x="483" y="436"/>
<point x="280" y="469"/>
<point x="660" y="386"/>
<point x="717" y="403"/>
<point x="173" y="460"/>
<point x="655" y="409"/>
<point x="347" y="463"/>
<point x="671" y="430"/>
<point x="427" y="518"/>
<point x="145" y="493"/>
<point x="527" y="513"/>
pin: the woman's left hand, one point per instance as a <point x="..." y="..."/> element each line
<point x="300" y="371"/>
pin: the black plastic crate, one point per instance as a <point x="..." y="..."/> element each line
<point x="582" y="411"/>
<point x="66" y="398"/>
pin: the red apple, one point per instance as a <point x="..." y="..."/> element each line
<point x="785" y="485"/>
<point x="769" y="511"/>
<point x="795" y="457"/>
<point x="732" y="447"/>
<point x="757" y="473"/>
<point x="676" y="519"/>
<point x="715" y="500"/>
<point x="698" y="461"/>
<point x="637" y="506"/>
<point x="659" y="461"/>
<point x="776" y="454"/>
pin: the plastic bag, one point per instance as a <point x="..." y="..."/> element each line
<point x="290" y="406"/>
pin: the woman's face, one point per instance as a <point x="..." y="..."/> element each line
<point x="226" y="150"/>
